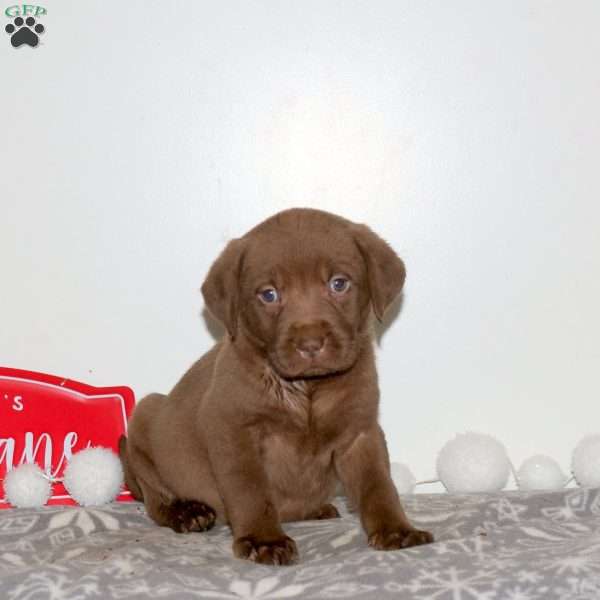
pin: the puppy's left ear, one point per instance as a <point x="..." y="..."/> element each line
<point x="221" y="288"/>
<point x="385" y="270"/>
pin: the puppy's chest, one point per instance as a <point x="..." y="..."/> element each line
<point x="300" y="472"/>
<point x="293" y="410"/>
<point x="295" y="444"/>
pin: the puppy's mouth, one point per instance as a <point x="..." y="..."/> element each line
<point x="309" y="372"/>
<point x="294" y="363"/>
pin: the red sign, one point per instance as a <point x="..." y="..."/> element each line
<point x="45" y="419"/>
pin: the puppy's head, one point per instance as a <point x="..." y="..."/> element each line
<point x="300" y="287"/>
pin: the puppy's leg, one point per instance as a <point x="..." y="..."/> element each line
<point x="365" y="472"/>
<point x="144" y="481"/>
<point x="129" y="477"/>
<point x="182" y="516"/>
<point x="244" y="487"/>
<point x="134" y="458"/>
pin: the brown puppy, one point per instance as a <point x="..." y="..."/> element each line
<point x="261" y="428"/>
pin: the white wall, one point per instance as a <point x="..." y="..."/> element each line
<point x="140" y="135"/>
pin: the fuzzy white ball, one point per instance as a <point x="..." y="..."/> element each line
<point x="403" y="478"/>
<point x="94" y="476"/>
<point x="540" y="472"/>
<point x="26" y="486"/>
<point x="585" y="463"/>
<point x="473" y="462"/>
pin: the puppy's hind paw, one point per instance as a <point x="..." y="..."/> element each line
<point x="327" y="511"/>
<point x="395" y="540"/>
<point x="281" y="551"/>
<point x="184" y="516"/>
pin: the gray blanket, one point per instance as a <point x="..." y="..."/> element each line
<point x="506" y="546"/>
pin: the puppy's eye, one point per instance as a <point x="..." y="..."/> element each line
<point x="268" y="295"/>
<point x="339" y="284"/>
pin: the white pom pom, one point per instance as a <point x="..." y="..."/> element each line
<point x="94" y="476"/>
<point x="540" y="472"/>
<point x="586" y="461"/>
<point x="403" y="478"/>
<point x="473" y="462"/>
<point x="26" y="486"/>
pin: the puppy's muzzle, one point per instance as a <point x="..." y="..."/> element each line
<point x="310" y="347"/>
<point x="309" y="339"/>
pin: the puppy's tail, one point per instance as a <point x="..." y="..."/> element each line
<point x="130" y="481"/>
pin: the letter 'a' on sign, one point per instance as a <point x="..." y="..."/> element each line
<point x="45" y="419"/>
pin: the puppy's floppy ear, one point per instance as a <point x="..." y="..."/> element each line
<point x="221" y="288"/>
<point x="385" y="270"/>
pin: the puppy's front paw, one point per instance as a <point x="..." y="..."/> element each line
<point x="401" y="538"/>
<point x="281" y="551"/>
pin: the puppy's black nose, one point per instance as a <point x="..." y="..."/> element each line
<point x="310" y="347"/>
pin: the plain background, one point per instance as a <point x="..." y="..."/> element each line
<point x="139" y="136"/>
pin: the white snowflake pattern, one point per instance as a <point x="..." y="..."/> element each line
<point x="347" y="589"/>
<point x="10" y="525"/>
<point x="123" y="567"/>
<point x="86" y="519"/>
<point x="575" y="588"/>
<point x="540" y="546"/>
<point x="265" y="589"/>
<point x="471" y="545"/>
<point x="529" y="576"/>
<point x="450" y="584"/>
<point x="575" y="564"/>
<point x="575" y="503"/>
<point x="54" y="586"/>
<point x="519" y="593"/>
<point x="595" y="505"/>
<point x="506" y="510"/>
<point x="145" y="589"/>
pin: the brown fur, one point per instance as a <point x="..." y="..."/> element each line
<point x="262" y="427"/>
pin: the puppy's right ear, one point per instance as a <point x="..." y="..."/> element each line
<point x="221" y="288"/>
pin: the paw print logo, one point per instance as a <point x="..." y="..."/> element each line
<point x="24" y="32"/>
